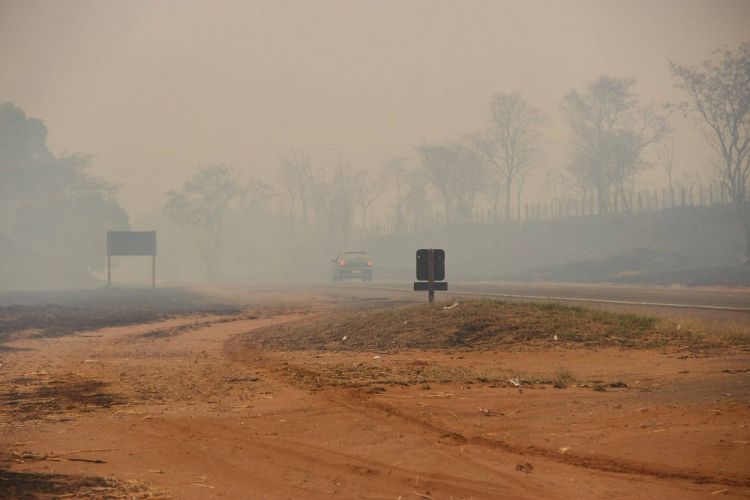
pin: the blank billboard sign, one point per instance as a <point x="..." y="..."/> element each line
<point x="131" y="242"/>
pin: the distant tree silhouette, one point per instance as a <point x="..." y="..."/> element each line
<point x="513" y="143"/>
<point x="204" y="207"/>
<point x="719" y="108"/>
<point x="611" y="130"/>
<point x="50" y="204"/>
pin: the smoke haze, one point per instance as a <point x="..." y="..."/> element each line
<point x="155" y="89"/>
<point x="293" y="109"/>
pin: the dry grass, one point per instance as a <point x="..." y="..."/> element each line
<point x="698" y="332"/>
<point x="479" y="324"/>
<point x="377" y="377"/>
<point x="369" y="375"/>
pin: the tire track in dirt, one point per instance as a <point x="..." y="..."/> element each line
<point x="287" y="457"/>
<point x="587" y="462"/>
<point x="347" y="397"/>
<point x="502" y="480"/>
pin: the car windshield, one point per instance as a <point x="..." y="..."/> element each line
<point x="354" y="256"/>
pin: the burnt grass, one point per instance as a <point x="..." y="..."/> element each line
<point x="34" y="486"/>
<point x="38" y="397"/>
<point x="474" y="324"/>
<point x="27" y="398"/>
<point x="55" y="314"/>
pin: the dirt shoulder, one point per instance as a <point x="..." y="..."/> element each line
<point x="190" y="406"/>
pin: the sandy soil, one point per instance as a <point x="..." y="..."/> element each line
<point x="183" y="408"/>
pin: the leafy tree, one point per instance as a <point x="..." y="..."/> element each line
<point x="719" y="108"/>
<point x="51" y="205"/>
<point x="611" y="130"/>
<point x="25" y="161"/>
<point x="513" y="143"/>
<point x="206" y="207"/>
<point x="72" y="221"/>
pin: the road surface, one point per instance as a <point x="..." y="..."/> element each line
<point x="707" y="303"/>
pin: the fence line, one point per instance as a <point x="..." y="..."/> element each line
<point x="640" y="201"/>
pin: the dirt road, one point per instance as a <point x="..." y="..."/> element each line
<point x="185" y="407"/>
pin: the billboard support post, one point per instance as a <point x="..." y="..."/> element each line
<point x="431" y="275"/>
<point x="131" y="243"/>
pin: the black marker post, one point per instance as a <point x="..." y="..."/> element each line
<point x="430" y="268"/>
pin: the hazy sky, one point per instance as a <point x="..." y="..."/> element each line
<point x="155" y="89"/>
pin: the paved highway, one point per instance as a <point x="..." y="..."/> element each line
<point x="680" y="301"/>
<point x="677" y="301"/>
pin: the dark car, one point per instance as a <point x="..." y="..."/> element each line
<point x="352" y="265"/>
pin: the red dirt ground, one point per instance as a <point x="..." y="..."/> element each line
<point x="193" y="414"/>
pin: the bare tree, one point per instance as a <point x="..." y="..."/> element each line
<point x="554" y="180"/>
<point x="321" y="192"/>
<point x="366" y="189"/>
<point x="665" y="153"/>
<point x="473" y="169"/>
<point x="494" y="193"/>
<point x="579" y="180"/>
<point x="719" y="108"/>
<point x="514" y="142"/>
<point x="626" y="162"/>
<point x="417" y="202"/>
<point x="341" y="191"/>
<point x="295" y="175"/>
<point x="520" y="181"/>
<point x="610" y="130"/>
<point x="398" y="174"/>
<point x="715" y="169"/>
<point x="442" y="166"/>
<point x="203" y="207"/>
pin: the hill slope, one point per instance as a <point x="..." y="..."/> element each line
<point x="688" y="245"/>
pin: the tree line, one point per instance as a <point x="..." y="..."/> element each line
<point x="611" y="132"/>
<point x="51" y="204"/>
